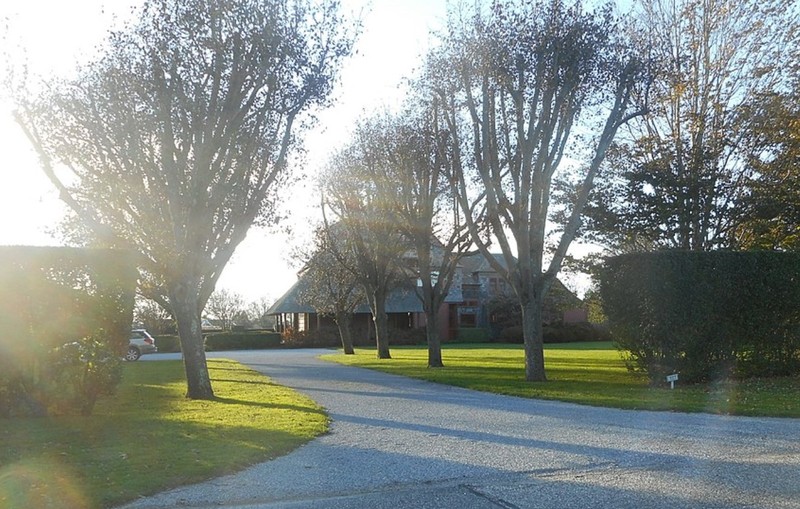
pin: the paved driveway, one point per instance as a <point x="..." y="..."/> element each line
<point x="400" y="443"/>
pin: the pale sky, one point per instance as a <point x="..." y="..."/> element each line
<point x="56" y="34"/>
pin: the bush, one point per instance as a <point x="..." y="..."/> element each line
<point x="242" y="341"/>
<point x="472" y="335"/>
<point x="512" y="334"/>
<point x="705" y="315"/>
<point x="559" y="333"/>
<point x="575" y="332"/>
<point x="324" y="337"/>
<point x="82" y="372"/>
<point x="407" y="337"/>
<point x="65" y="318"/>
<point x="168" y="343"/>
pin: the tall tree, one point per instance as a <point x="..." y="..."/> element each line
<point x="772" y="204"/>
<point x="176" y="139"/>
<point x="416" y="155"/>
<point x="513" y="84"/>
<point x="362" y="232"/>
<point x="680" y="172"/>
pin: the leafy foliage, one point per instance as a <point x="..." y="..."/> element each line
<point x="242" y="341"/>
<point x="772" y="206"/>
<point x="363" y="237"/>
<point x="677" y="177"/>
<point x="513" y="84"/>
<point x="65" y="318"/>
<point x="705" y="316"/>
<point x="178" y="137"/>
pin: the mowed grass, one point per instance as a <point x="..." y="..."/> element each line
<point x="584" y="373"/>
<point x="149" y="438"/>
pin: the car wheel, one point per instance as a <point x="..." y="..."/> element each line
<point x="133" y="354"/>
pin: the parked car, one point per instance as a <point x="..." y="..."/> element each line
<point x="141" y="342"/>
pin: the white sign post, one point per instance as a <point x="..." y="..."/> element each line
<point x="672" y="379"/>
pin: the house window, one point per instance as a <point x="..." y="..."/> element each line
<point x="468" y="320"/>
<point x="301" y="322"/>
<point x="468" y="314"/>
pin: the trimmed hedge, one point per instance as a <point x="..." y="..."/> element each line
<point x="705" y="315"/>
<point x="324" y="337"/>
<point x="168" y="343"/>
<point x="559" y="333"/>
<point x="242" y="341"/>
<point x="472" y="335"/>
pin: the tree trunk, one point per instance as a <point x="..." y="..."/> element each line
<point x="534" y="340"/>
<point x="187" y="315"/>
<point x="345" y="332"/>
<point x="434" y="346"/>
<point x="381" y="325"/>
<point x="432" y="335"/>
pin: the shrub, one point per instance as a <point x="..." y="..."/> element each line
<point x="575" y="332"/>
<point x="168" y="343"/>
<point x="242" y="341"/>
<point x="407" y="337"/>
<point x="324" y="337"/>
<point x="62" y="311"/>
<point x="512" y="334"/>
<point x="82" y="372"/>
<point x="705" y="315"/>
<point x="472" y="335"/>
<point x="559" y="333"/>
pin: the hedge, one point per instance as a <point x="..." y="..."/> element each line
<point x="168" y="343"/>
<point x="472" y="335"/>
<point x="242" y="341"/>
<point x="65" y="319"/>
<point x="705" y="315"/>
<point x="559" y="333"/>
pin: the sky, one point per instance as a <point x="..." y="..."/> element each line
<point x="56" y="35"/>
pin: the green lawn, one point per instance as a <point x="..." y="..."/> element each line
<point x="585" y="373"/>
<point x="149" y="438"/>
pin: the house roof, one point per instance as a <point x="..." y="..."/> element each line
<point x="399" y="300"/>
<point x="479" y="263"/>
<point x="290" y="301"/>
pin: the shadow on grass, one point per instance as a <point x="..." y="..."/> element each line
<point x="298" y="408"/>
<point x="149" y="438"/>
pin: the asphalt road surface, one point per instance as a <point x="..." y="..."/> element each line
<point x="400" y="443"/>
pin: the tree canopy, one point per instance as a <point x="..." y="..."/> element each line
<point x="514" y="84"/>
<point x="175" y="140"/>
<point x="678" y="175"/>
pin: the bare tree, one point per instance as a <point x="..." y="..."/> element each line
<point x="363" y="235"/>
<point x="416" y="153"/>
<point x="177" y="138"/>
<point x="331" y="288"/>
<point x="224" y="306"/>
<point x="152" y="316"/>
<point x="257" y="313"/>
<point x="513" y="84"/>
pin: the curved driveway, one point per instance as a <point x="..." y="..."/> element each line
<point x="402" y="443"/>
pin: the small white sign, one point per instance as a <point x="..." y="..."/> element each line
<point x="672" y="379"/>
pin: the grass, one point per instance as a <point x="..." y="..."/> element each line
<point x="149" y="438"/>
<point x="584" y="373"/>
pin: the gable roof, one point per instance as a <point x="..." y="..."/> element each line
<point x="290" y="301"/>
<point x="478" y="263"/>
<point x="399" y="300"/>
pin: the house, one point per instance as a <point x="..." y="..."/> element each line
<point x="466" y="309"/>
